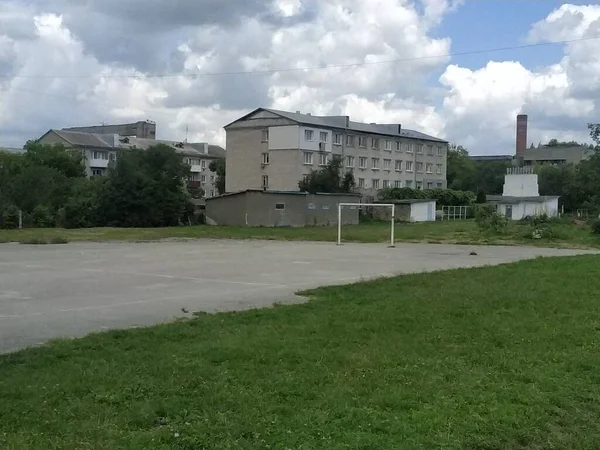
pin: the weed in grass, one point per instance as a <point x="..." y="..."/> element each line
<point x="34" y="241"/>
<point x="58" y="240"/>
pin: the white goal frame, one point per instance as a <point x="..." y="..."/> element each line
<point x="362" y="205"/>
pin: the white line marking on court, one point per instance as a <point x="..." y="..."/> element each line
<point x="175" y="277"/>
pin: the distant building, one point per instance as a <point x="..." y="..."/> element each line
<point x="274" y="150"/>
<point x="100" y="149"/>
<point x="493" y="158"/>
<point x="11" y="150"/>
<point x="142" y="129"/>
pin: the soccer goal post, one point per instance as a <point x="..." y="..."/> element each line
<point x="341" y="206"/>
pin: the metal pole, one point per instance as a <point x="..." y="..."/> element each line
<point x="339" y="242"/>
<point x="393" y="223"/>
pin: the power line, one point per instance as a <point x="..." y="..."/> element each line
<point x="306" y="69"/>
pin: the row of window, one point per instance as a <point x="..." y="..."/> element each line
<point x="202" y="178"/>
<point x="374" y="143"/>
<point x="399" y="165"/>
<point x="375" y="184"/>
<point x="196" y="162"/>
<point x="103" y="156"/>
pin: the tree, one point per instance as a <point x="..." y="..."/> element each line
<point x="594" y="132"/>
<point x="329" y="179"/>
<point x="146" y="189"/>
<point x="218" y="166"/>
<point x="69" y="162"/>
<point x="461" y="169"/>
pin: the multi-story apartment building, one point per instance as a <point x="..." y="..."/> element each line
<point x="100" y="149"/>
<point x="274" y="150"/>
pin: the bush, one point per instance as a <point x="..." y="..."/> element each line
<point x="488" y="219"/>
<point x="596" y="227"/>
<point x="42" y="217"/>
<point x="10" y="218"/>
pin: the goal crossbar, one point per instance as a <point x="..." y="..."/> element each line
<point x="361" y="205"/>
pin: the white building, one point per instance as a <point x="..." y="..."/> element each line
<point x="521" y="198"/>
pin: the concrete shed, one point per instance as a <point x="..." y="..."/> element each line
<point x="409" y="210"/>
<point x="517" y="208"/>
<point x="256" y="208"/>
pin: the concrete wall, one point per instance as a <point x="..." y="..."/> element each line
<point x="284" y="138"/>
<point x="529" y="209"/>
<point x="423" y="212"/>
<point x="243" y="164"/>
<point x="286" y="169"/>
<point x="413" y="212"/>
<point x="264" y="209"/>
<point x="525" y="185"/>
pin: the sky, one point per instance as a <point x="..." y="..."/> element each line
<point x="448" y="68"/>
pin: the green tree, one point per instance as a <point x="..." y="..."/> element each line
<point x="461" y="169"/>
<point x="218" y="166"/>
<point x="329" y="179"/>
<point x="595" y="132"/>
<point x="146" y="189"/>
<point x="69" y="162"/>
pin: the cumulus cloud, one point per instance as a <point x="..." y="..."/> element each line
<point x="109" y="60"/>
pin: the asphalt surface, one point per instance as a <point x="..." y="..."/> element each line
<point x="49" y="292"/>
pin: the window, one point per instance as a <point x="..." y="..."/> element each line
<point x="203" y="165"/>
<point x="387" y="164"/>
<point x="386" y="184"/>
<point x="308" y="135"/>
<point x="398" y="146"/>
<point x="322" y="160"/>
<point x="101" y="155"/>
<point x="112" y="156"/>
<point x="419" y="167"/>
<point x="265" y="158"/>
<point x="280" y="206"/>
<point x="410" y="148"/>
<point x="362" y="141"/>
<point x="388" y="145"/>
<point x="265" y="181"/>
<point x="408" y="183"/>
<point x="429" y="185"/>
<point x="398" y="165"/>
<point x="438" y="169"/>
<point x="97" y="172"/>
<point x="361" y="182"/>
<point x="323" y="136"/>
<point x="375" y="143"/>
<point x="430" y="150"/>
<point x="308" y="158"/>
<point x="337" y="139"/>
<point x="429" y="168"/>
<point x="398" y="184"/>
<point x="362" y="162"/>
<point x="212" y="178"/>
<point x="409" y="166"/>
<point x="375" y="183"/>
<point x="203" y="178"/>
<point x="375" y="163"/>
<point x="350" y="161"/>
<point x="439" y="185"/>
<point x="420" y="185"/>
<point x="440" y="151"/>
<point x="212" y="193"/>
<point x="265" y="135"/>
<point x="350" y="141"/>
<point x="419" y="149"/>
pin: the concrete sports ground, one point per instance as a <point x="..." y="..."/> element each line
<point x="48" y="292"/>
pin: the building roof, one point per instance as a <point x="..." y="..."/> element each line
<point x="506" y="200"/>
<point x="261" y="191"/>
<point x="408" y="201"/>
<point x="491" y="158"/>
<point x="343" y="122"/>
<point x="114" y="141"/>
<point x="78" y="138"/>
<point x="558" y="153"/>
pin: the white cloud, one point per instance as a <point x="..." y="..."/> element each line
<point x="475" y="107"/>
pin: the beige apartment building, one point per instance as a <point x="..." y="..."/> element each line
<point x="100" y="150"/>
<point x="273" y="150"/>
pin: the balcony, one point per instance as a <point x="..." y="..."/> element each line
<point x="194" y="184"/>
<point x="99" y="163"/>
<point x="196" y="168"/>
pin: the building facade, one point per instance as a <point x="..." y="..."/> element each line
<point x="100" y="150"/>
<point x="274" y="150"/>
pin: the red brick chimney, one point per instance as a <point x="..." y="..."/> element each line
<point x="521" y="137"/>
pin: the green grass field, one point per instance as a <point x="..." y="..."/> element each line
<point x="462" y="232"/>
<point x="484" y="359"/>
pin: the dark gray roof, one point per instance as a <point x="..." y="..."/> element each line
<point x="492" y="158"/>
<point x="273" y="192"/>
<point x="213" y="150"/>
<point x="84" y="139"/>
<point x="340" y="122"/>
<point x="407" y="201"/>
<point x="502" y="200"/>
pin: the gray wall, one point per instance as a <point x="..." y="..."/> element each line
<point x="256" y="209"/>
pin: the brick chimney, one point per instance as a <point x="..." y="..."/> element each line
<point x="521" y="138"/>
